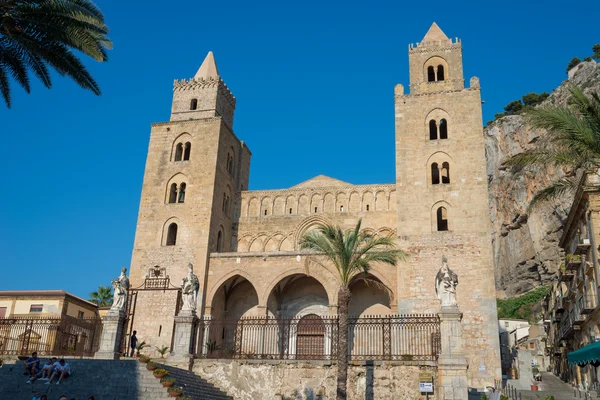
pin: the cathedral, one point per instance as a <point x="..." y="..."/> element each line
<point x="196" y="207"/>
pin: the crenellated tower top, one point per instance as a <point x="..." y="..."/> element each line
<point x="204" y="96"/>
<point x="435" y="63"/>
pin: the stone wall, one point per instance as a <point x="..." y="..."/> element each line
<point x="249" y="380"/>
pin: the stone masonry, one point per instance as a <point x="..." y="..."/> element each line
<point x="196" y="207"/>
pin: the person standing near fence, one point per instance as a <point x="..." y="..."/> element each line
<point x="133" y="343"/>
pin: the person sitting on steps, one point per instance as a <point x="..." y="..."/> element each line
<point x="46" y="371"/>
<point x="32" y="365"/>
<point x="63" y="370"/>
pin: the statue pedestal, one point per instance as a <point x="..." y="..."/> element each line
<point x="452" y="363"/>
<point x="185" y="325"/>
<point x="112" y="331"/>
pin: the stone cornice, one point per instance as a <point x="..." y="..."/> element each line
<point x="332" y="189"/>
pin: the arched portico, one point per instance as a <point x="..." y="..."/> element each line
<point x="370" y="296"/>
<point x="233" y="298"/>
<point x="321" y="276"/>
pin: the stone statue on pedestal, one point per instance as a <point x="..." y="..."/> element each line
<point x="189" y="291"/>
<point x="445" y="284"/>
<point x="120" y="286"/>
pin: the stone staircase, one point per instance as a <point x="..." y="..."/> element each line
<point x="105" y="380"/>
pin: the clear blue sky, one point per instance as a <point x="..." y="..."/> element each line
<point x="314" y="86"/>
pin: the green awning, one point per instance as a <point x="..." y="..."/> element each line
<point x="589" y="354"/>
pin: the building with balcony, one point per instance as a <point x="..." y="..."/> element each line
<point x="572" y="309"/>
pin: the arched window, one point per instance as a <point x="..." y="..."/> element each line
<point x="230" y="163"/>
<point x="341" y="208"/>
<point x="443" y="129"/>
<point x="442" y="219"/>
<point x="435" y="174"/>
<point x="445" y="172"/>
<point x="220" y="242"/>
<point x="290" y="210"/>
<point x="440" y="72"/>
<point x="265" y="212"/>
<point x="367" y="207"/>
<point x="172" y="235"/>
<point x="430" y="74"/>
<point x="181" y="197"/>
<point x="224" y="200"/>
<point x="226" y="205"/>
<point x="186" y="153"/>
<point x="173" y="193"/>
<point x="433" y="131"/>
<point x="178" y="152"/>
<point x="315" y="209"/>
<point x="194" y="104"/>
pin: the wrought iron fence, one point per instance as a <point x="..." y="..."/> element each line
<point x="412" y="337"/>
<point x="69" y="336"/>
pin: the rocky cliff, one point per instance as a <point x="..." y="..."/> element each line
<point x="526" y="251"/>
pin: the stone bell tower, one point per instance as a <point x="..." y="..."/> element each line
<point x="443" y="199"/>
<point x="195" y="170"/>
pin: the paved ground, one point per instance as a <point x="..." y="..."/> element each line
<point x="550" y="386"/>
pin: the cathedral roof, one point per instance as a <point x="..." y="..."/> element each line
<point x="320" y="181"/>
<point x="208" y="69"/>
<point x="434" y="34"/>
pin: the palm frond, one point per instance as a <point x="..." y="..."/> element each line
<point x="37" y="34"/>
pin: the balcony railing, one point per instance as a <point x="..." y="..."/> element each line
<point x="566" y="276"/>
<point x="588" y="304"/>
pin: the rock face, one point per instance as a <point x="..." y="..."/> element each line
<point x="525" y="245"/>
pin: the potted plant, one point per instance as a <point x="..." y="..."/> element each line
<point x="160" y="373"/>
<point x="144" y="359"/>
<point x="167" y="381"/>
<point x="151" y="366"/>
<point x="140" y="346"/>
<point x="162" y="351"/>
<point x="175" y="391"/>
<point x="534" y="388"/>
<point x="185" y="398"/>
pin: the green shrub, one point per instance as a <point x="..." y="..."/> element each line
<point x="520" y="307"/>
<point x="175" y="390"/>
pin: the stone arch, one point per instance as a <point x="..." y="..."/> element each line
<point x="303" y="205"/>
<point x="266" y="207"/>
<point x="273" y="242"/>
<point x="441" y="211"/>
<point x="253" y="207"/>
<point x="165" y="231"/>
<point x="244" y="243"/>
<point x="279" y="206"/>
<point x="328" y="203"/>
<point x="181" y="139"/>
<point x="178" y="179"/>
<point x="257" y="244"/>
<point x="368" y="200"/>
<point x="433" y="64"/>
<point x="244" y="207"/>
<point x="437" y="122"/>
<point x="354" y="202"/>
<point x="287" y="244"/>
<point x="306" y="224"/>
<point x="215" y="298"/>
<point x="325" y="278"/>
<point x="316" y="203"/>
<point x="385" y="232"/>
<point x="370" y="298"/>
<point x="434" y="166"/>
<point x="291" y="204"/>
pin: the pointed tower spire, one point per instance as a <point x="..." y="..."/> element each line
<point x="208" y="69"/>
<point x="434" y="34"/>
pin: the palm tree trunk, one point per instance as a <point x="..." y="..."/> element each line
<point x="342" y="360"/>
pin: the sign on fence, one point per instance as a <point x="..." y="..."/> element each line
<point x="426" y="387"/>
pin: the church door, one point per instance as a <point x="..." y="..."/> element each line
<point x="310" y="342"/>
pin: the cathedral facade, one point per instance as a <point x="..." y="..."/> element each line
<point x="244" y="244"/>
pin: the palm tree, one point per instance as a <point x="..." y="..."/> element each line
<point x="572" y="143"/>
<point x="103" y="297"/>
<point x="38" y="34"/>
<point x="353" y="253"/>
